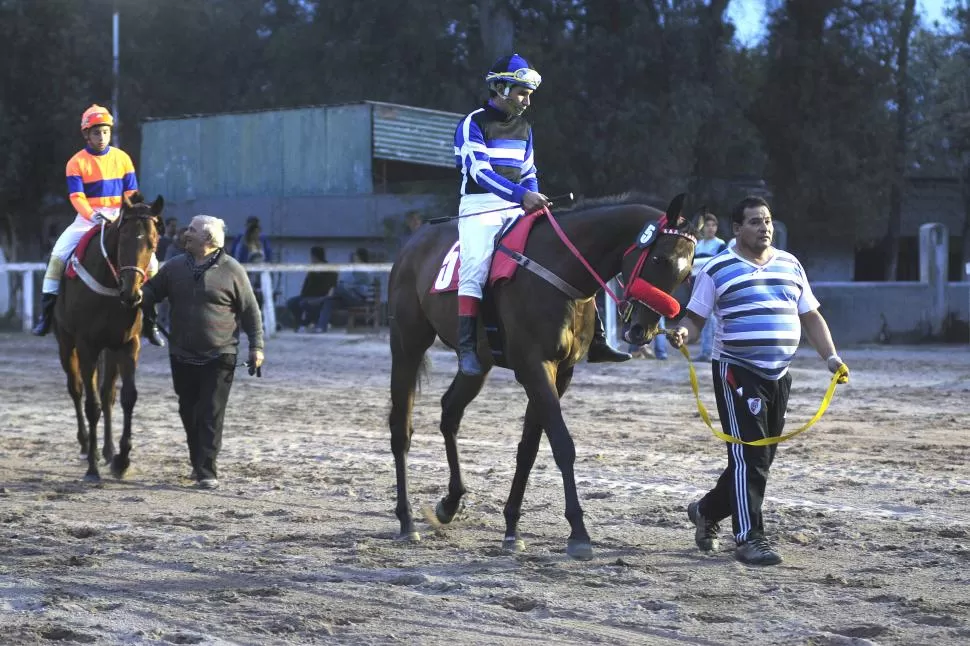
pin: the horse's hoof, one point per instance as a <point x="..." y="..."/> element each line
<point x="108" y="457"/>
<point x="92" y="477"/>
<point x="409" y="537"/>
<point x="513" y="544"/>
<point x="119" y="467"/>
<point x="443" y="516"/>
<point x="580" y="550"/>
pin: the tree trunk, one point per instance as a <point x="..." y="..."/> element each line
<point x="965" y="230"/>
<point x="899" y="154"/>
<point x="497" y="29"/>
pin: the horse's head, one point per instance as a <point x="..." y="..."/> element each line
<point x="653" y="268"/>
<point x="138" y="228"/>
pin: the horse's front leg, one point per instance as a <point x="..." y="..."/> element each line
<point x="75" y="386"/>
<point x="462" y="391"/>
<point x="127" y="361"/>
<point x="540" y="381"/>
<point x="88" y="361"/>
<point x="524" y="460"/>
<point x="109" y="377"/>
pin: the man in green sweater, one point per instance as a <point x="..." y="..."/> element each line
<point x="210" y="298"/>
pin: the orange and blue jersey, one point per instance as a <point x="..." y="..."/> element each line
<point x="97" y="181"/>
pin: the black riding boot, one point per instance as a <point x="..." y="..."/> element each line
<point x="43" y="326"/>
<point x="599" y="350"/>
<point x="468" y="362"/>
<point x="149" y="330"/>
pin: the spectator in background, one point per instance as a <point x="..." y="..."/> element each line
<point x="317" y="285"/>
<point x="167" y="237"/>
<point x="353" y="288"/>
<point x="252" y="248"/>
<point x="412" y="222"/>
<point x="177" y="247"/>
<point x="252" y="245"/>
<point x="707" y="247"/>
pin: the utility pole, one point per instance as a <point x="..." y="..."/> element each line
<point x="115" y="74"/>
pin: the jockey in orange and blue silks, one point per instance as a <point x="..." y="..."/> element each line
<point x="495" y="153"/>
<point x="98" y="177"/>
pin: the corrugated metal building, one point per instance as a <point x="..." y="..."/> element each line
<point x="338" y="175"/>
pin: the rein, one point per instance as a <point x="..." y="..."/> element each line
<point x="93" y="284"/>
<point x="637" y="286"/>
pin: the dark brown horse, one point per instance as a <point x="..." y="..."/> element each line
<point x="99" y="312"/>
<point x="546" y="332"/>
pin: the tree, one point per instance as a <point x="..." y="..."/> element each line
<point x="901" y="140"/>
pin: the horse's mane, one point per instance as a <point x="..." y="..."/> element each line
<point x="629" y="197"/>
<point x="584" y="204"/>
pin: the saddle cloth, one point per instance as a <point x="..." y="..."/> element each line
<point x="82" y="246"/>
<point x="502" y="268"/>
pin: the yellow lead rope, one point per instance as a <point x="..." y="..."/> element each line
<point x="841" y="376"/>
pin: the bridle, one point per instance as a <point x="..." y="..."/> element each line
<point x="116" y="272"/>
<point x="638" y="290"/>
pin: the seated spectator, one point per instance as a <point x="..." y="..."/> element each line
<point x="353" y="288"/>
<point x="306" y="307"/>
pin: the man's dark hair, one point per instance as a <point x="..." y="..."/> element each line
<point x="318" y="253"/>
<point x="749" y="202"/>
<point x="171" y="220"/>
<point x="363" y="255"/>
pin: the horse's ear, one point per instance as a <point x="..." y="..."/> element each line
<point x="675" y="210"/>
<point x="158" y="205"/>
<point x="137" y="198"/>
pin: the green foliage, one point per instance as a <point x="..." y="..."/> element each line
<point x="649" y="95"/>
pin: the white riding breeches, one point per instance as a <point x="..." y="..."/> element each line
<point x="68" y="241"/>
<point x="477" y="237"/>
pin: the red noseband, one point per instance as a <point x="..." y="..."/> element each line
<point x="658" y="300"/>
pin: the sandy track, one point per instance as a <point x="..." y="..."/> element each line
<point x="871" y="510"/>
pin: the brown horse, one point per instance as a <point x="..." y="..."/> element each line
<point x="99" y="313"/>
<point x="546" y="332"/>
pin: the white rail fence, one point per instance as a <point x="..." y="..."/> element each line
<point x="265" y="271"/>
<point x="856" y="312"/>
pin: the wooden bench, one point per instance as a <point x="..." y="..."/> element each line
<point x="368" y="314"/>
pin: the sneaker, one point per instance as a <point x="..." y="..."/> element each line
<point x="757" y="551"/>
<point x="208" y="483"/>
<point x="702" y="358"/>
<point x="705" y="532"/>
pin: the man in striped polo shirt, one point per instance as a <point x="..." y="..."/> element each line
<point x="761" y="301"/>
<point x="493" y="150"/>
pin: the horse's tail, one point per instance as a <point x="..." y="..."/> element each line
<point x="423" y="372"/>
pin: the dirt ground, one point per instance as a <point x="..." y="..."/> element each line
<point x="870" y="509"/>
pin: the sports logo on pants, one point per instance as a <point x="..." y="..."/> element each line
<point x="754" y="405"/>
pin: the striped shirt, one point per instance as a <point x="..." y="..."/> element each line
<point x="97" y="181"/>
<point x="494" y="152"/>
<point x="756" y="308"/>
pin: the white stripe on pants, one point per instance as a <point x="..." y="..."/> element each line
<point x="477" y="236"/>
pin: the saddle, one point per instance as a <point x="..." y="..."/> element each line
<point x="80" y="249"/>
<point x="506" y="259"/>
<point x="509" y="244"/>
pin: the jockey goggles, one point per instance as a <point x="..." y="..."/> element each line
<point x="524" y="77"/>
